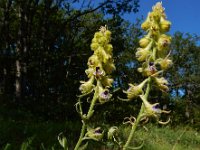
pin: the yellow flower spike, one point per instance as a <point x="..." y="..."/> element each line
<point x="163" y="42"/>
<point x="164" y="25"/>
<point x="87" y="86"/>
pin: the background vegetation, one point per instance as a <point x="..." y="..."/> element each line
<point x="44" y="47"/>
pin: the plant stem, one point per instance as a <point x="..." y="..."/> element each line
<point x="81" y="136"/>
<point x="139" y="117"/>
<point x="148" y="88"/>
<point x="89" y="114"/>
<point x="134" y="126"/>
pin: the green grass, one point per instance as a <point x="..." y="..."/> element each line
<point x="43" y="135"/>
<point x="167" y="138"/>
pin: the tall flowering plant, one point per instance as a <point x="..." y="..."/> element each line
<point x="153" y="53"/>
<point x="100" y="66"/>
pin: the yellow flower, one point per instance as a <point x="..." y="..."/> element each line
<point x="104" y="95"/>
<point x="144" y="41"/>
<point x="108" y="48"/>
<point x="94" y="46"/>
<point x="109" y="67"/>
<point x="93" y="61"/>
<point x="135" y="90"/>
<point x="87" y="86"/>
<point x="107" y="34"/>
<point x="146" y="24"/>
<point x="142" y="54"/>
<point x="162" y="83"/>
<point x="154" y="16"/>
<point x="106" y="81"/>
<point x="165" y="63"/>
<point x="90" y="72"/>
<point x="164" y="42"/>
<point x="152" y="110"/>
<point x="95" y="134"/>
<point x="102" y="55"/>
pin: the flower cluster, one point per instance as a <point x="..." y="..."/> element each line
<point x="154" y="46"/>
<point x="100" y="66"/>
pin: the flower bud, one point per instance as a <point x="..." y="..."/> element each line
<point x="108" y="48"/>
<point x="154" y="16"/>
<point x="144" y="41"/>
<point x="87" y="86"/>
<point x="107" y="34"/>
<point x="146" y="24"/>
<point x="94" y="46"/>
<point x="164" y="25"/>
<point x="102" y="40"/>
<point x="142" y="54"/>
<point x="98" y="35"/>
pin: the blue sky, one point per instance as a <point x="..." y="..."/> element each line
<point x="184" y="14"/>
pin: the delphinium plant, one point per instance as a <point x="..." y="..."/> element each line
<point x="154" y="55"/>
<point x="100" y="66"/>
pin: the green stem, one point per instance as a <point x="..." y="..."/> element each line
<point x="91" y="109"/>
<point x="148" y="88"/>
<point x="154" y="54"/>
<point x="81" y="136"/>
<point x="134" y="126"/>
<point x="139" y="117"/>
<point x="89" y="115"/>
